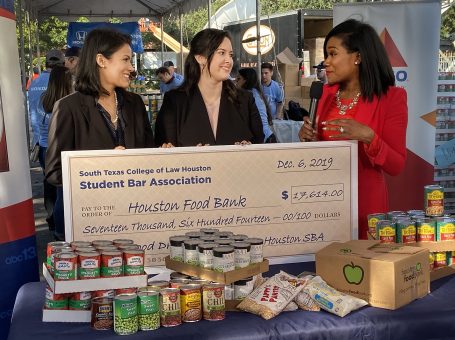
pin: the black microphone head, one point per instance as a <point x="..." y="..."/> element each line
<point x="316" y="89"/>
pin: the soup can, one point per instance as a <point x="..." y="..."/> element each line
<point x="434" y="200"/>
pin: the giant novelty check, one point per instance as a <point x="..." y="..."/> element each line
<point x="297" y="197"/>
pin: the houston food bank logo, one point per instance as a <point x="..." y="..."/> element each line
<point x="249" y="39"/>
<point x="399" y="65"/>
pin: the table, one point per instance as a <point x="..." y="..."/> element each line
<point x="432" y="317"/>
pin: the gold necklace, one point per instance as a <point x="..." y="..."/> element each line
<point x="343" y="107"/>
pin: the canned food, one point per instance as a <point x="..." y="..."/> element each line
<point x="106" y="248"/>
<point x="243" y="288"/>
<point x="176" y="283"/>
<point x="148" y="310"/>
<point x="213" y="302"/>
<point x="372" y="221"/>
<point x="205" y="258"/>
<point x="193" y="234"/>
<point x="209" y="231"/>
<point x="177" y="247"/>
<point x="80" y="301"/>
<point x="111" y="263"/>
<point x="431" y="260"/>
<point x="209" y="238"/>
<point x="88" y="265"/>
<point x="134" y="262"/>
<point x="97" y="243"/>
<point x="225" y="234"/>
<point x="391" y="214"/>
<point x="65" y="266"/>
<point x="170" y="307"/>
<point x="129" y="247"/>
<point x="55" y="249"/>
<point x="177" y="275"/>
<point x="386" y="232"/>
<point x="239" y="237"/>
<point x="125" y="314"/>
<point x="55" y="301"/>
<point x="450" y="257"/>
<point x="241" y="254"/>
<point x="223" y="259"/>
<point x="406" y="231"/>
<point x="426" y="230"/>
<point x="157" y="284"/>
<point x="84" y="249"/>
<point x="434" y="200"/>
<point x="229" y="292"/>
<point x="190" y="254"/>
<point x="129" y="290"/>
<point x="110" y="293"/>
<point x="122" y="242"/>
<point x="49" y="247"/>
<point x="80" y="244"/>
<point x="190" y="302"/>
<point x="257" y="245"/>
<point x="445" y="229"/>
<point x="200" y="282"/>
<point x="224" y="241"/>
<point x="440" y="259"/>
<point x="102" y="313"/>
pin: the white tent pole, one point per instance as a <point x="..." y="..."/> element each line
<point x="38" y="52"/>
<point x="209" y="12"/>
<point x="258" y="37"/>
<point x="162" y="38"/>
<point x="30" y="49"/>
<point x="181" y="39"/>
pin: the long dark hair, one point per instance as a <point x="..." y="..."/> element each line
<point x="60" y="85"/>
<point x="252" y="82"/>
<point x="103" y="41"/>
<point x="375" y="73"/>
<point x="205" y="43"/>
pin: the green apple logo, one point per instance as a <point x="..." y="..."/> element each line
<point x="353" y="274"/>
<point x="418" y="266"/>
<point x="345" y="250"/>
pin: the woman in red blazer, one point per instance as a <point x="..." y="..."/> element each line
<point x="360" y="102"/>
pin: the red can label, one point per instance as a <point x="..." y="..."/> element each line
<point x="88" y="265"/>
<point x="80" y="301"/>
<point x="111" y="264"/>
<point x="55" y="301"/>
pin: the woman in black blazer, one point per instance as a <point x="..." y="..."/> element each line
<point x="207" y="108"/>
<point x="100" y="114"/>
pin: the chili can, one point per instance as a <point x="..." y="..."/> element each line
<point x="55" y="301"/>
<point x="257" y="245"/>
<point x="88" y="265"/>
<point x="65" y="266"/>
<point x="170" y="307"/>
<point x="190" y="302"/>
<point x="434" y="200"/>
<point x="213" y="302"/>
<point x="148" y="310"/>
<point x="102" y="313"/>
<point x="223" y="259"/>
<point x="386" y="231"/>
<point x="111" y="263"/>
<point x="426" y="230"/>
<point x="80" y="301"/>
<point x="445" y="229"/>
<point x="406" y="231"/>
<point x="125" y="314"/>
<point x="134" y="262"/>
<point x="373" y="219"/>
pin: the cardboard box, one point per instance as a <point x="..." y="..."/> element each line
<point x="436" y="246"/>
<point x="292" y="91"/>
<point x="385" y="275"/>
<point x="288" y="67"/>
<point x="211" y="275"/>
<point x="439" y="273"/>
<point x="66" y="315"/>
<point x="63" y="287"/>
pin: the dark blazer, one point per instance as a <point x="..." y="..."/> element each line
<point x="77" y="124"/>
<point x="183" y="120"/>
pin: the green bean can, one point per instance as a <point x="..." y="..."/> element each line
<point x="125" y="314"/>
<point x="148" y="310"/>
<point x="406" y="231"/>
<point x="373" y="219"/>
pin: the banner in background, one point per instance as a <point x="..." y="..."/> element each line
<point x="77" y="31"/>
<point x="410" y="33"/>
<point x="18" y="260"/>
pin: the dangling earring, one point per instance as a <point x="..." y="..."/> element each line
<point x="356" y="62"/>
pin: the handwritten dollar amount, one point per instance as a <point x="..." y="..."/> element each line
<point x="312" y="164"/>
<point x="315" y="193"/>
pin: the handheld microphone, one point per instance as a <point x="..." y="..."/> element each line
<point x="315" y="95"/>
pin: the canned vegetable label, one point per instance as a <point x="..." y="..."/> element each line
<point x="406" y="232"/>
<point x="445" y="230"/>
<point x="373" y="219"/>
<point x="125" y="314"/>
<point x="149" y="310"/>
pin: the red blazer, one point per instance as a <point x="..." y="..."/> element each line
<point x="388" y="117"/>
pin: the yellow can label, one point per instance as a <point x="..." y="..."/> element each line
<point x="425" y="229"/>
<point x="386" y="231"/>
<point x="448" y="228"/>
<point x="409" y="230"/>
<point x="440" y="256"/>
<point x="435" y="195"/>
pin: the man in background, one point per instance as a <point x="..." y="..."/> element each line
<point x="168" y="79"/>
<point x="37" y="118"/>
<point x="72" y="59"/>
<point x="272" y="90"/>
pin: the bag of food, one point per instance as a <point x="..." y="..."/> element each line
<point x="330" y="299"/>
<point x="270" y="298"/>
<point x="290" y="307"/>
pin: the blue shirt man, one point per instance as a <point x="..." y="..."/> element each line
<point x="272" y="91"/>
<point x="168" y="81"/>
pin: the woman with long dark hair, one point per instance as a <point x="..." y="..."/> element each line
<point x="207" y="108"/>
<point x="362" y="103"/>
<point x="101" y="114"/>
<point x="248" y="80"/>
